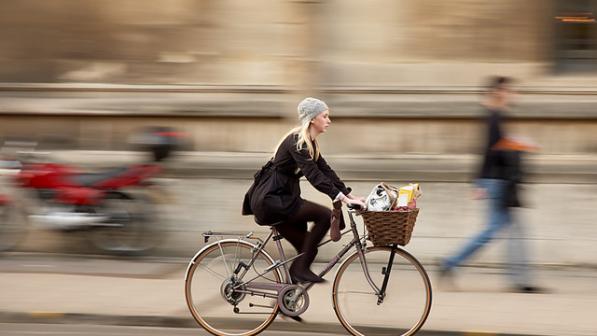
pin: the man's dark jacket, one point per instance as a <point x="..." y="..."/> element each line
<point x="504" y="165"/>
<point x="275" y="193"/>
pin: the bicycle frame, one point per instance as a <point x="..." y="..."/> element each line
<point x="257" y="288"/>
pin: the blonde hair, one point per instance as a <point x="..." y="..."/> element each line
<point x="303" y="138"/>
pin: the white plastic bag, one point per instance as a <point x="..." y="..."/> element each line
<point x="382" y="197"/>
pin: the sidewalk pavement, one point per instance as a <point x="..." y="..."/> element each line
<point x="149" y="292"/>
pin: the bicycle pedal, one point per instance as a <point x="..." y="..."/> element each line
<point x="260" y="306"/>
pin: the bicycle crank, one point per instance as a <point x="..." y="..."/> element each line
<point x="293" y="300"/>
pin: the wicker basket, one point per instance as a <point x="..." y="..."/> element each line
<point x="390" y="227"/>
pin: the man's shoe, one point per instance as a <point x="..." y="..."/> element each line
<point x="444" y="272"/>
<point x="530" y="289"/>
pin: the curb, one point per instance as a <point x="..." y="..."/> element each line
<point x="183" y="261"/>
<point x="280" y="324"/>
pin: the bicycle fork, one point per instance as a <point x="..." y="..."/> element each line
<point x="386" y="272"/>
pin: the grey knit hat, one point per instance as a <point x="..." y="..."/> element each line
<point x="310" y="108"/>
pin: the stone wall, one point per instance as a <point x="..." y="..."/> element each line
<point x="431" y="42"/>
<point x="400" y="76"/>
<point x="387" y="136"/>
<point x="448" y="217"/>
<point x="302" y="44"/>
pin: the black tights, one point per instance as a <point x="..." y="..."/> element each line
<point x="294" y="229"/>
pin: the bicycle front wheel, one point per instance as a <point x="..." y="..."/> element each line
<point x="400" y="309"/>
<point x="219" y="300"/>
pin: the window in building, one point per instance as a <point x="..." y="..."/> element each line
<point x="576" y="36"/>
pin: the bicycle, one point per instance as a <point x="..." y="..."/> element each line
<point x="233" y="287"/>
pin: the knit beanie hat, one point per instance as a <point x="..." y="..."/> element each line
<point x="310" y="108"/>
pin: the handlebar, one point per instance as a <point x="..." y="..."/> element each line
<point x="355" y="207"/>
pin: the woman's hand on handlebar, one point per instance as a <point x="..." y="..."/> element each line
<point x="353" y="203"/>
<point x="352" y="197"/>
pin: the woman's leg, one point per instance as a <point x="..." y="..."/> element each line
<point x="294" y="230"/>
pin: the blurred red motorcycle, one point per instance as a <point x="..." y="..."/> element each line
<point x="115" y="206"/>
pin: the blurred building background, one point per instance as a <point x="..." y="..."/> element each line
<point x="86" y="72"/>
<point x="402" y="77"/>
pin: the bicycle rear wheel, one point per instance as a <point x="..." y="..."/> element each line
<point x="407" y="301"/>
<point x="216" y="297"/>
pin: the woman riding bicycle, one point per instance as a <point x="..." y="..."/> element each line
<point x="274" y="198"/>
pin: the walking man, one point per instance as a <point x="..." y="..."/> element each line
<point x="498" y="180"/>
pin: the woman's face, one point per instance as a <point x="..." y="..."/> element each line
<point x="320" y="123"/>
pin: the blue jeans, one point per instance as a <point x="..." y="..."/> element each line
<point x="500" y="218"/>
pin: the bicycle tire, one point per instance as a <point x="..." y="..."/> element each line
<point x="218" y="324"/>
<point x="396" y="315"/>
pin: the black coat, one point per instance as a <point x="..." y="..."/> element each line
<point x="493" y="164"/>
<point x="504" y="165"/>
<point x="275" y="193"/>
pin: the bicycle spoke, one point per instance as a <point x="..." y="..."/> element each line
<point x="212" y="303"/>
<point x="357" y="292"/>
<point x="228" y="270"/>
<point x="221" y="276"/>
<point x="214" y="295"/>
<point x="236" y="257"/>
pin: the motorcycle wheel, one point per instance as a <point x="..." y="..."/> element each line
<point x="130" y="228"/>
<point x="12" y="230"/>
